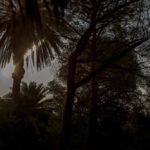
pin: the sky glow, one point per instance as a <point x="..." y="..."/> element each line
<point x="31" y="74"/>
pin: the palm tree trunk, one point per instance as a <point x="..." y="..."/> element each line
<point x="17" y="77"/>
<point x="66" y="127"/>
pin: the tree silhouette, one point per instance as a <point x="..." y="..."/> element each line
<point x="103" y="17"/>
<point x="22" y="29"/>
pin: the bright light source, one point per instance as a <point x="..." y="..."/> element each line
<point x="29" y="51"/>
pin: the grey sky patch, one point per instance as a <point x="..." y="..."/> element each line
<point x="31" y="74"/>
<point x="5" y="79"/>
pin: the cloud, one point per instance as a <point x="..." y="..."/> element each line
<point x="5" y="79"/>
<point x="7" y="72"/>
<point x="5" y="84"/>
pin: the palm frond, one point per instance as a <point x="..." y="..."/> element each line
<point x="21" y="28"/>
<point x="33" y="92"/>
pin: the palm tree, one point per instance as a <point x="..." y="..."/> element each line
<point x="31" y="96"/>
<point x="22" y="29"/>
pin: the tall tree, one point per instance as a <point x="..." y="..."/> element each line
<point x="106" y="14"/>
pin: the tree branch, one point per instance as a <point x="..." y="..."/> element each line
<point x="109" y="62"/>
